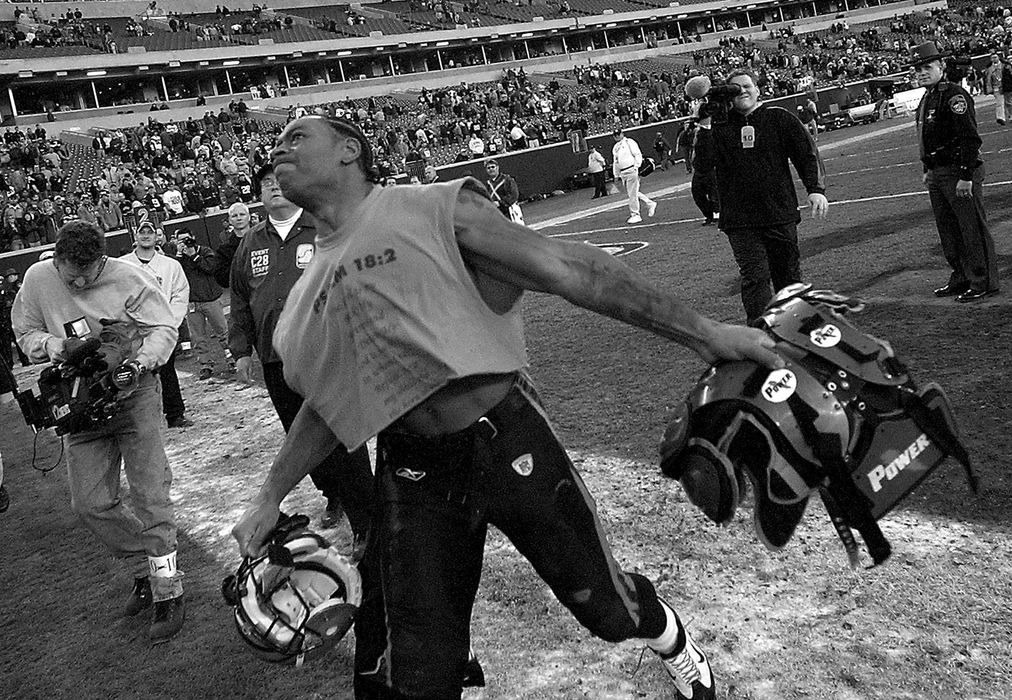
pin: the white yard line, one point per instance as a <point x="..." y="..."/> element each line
<point x="664" y="192"/>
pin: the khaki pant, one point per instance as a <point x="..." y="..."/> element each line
<point x="631" y="181"/>
<point x="143" y="524"/>
<point x="1002" y="105"/>
<point x="209" y="330"/>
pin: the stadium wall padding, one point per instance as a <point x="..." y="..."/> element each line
<point x="206" y="229"/>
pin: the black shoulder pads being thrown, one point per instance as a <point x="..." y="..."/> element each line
<point x="843" y="418"/>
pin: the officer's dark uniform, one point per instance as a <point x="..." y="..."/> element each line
<point x="265" y="267"/>
<point x="950" y="151"/>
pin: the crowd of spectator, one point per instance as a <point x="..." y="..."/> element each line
<point x="165" y="170"/>
<point x="347" y="17"/>
<point x="974" y="28"/>
<point x="31" y="29"/>
<point x="198" y="165"/>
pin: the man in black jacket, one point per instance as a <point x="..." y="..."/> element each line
<point x="704" y="179"/>
<point x="268" y="261"/>
<point x="238" y="226"/>
<point x="10" y="285"/>
<point x="954" y="175"/>
<point x="753" y="151"/>
<point x="206" y="317"/>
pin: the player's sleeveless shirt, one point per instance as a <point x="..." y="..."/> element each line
<point x="387" y="313"/>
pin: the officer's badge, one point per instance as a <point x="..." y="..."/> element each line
<point x="958" y="104"/>
<point x="524" y="465"/>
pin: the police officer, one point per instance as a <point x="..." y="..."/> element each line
<point x="954" y="175"/>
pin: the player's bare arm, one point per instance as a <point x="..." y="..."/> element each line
<point x="593" y="279"/>
<point x="307" y="444"/>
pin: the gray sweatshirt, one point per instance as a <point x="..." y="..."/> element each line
<point x="46" y="308"/>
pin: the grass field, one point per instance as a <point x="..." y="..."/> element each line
<point x="933" y="623"/>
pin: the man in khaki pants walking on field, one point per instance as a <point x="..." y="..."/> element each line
<point x="625" y="164"/>
<point x="998" y="82"/>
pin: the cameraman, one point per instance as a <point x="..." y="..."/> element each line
<point x="758" y="203"/>
<point x="69" y="297"/>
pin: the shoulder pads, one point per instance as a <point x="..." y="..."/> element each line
<point x="812" y="321"/>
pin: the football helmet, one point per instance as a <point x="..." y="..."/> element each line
<point x="298" y="599"/>
<point x="842" y="418"/>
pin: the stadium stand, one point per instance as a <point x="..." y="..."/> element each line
<point x="43" y="182"/>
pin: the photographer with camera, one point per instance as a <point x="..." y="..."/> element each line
<point x="206" y="317"/>
<point x="754" y="145"/>
<point x="83" y="300"/>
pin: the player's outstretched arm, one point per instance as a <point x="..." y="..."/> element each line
<point x="307" y="444"/>
<point x="590" y="277"/>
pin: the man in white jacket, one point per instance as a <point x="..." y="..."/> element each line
<point x="172" y="281"/>
<point x="626" y="161"/>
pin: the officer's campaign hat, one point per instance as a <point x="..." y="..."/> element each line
<point x="925" y="53"/>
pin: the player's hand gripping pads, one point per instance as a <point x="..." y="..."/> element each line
<point x="299" y="599"/>
<point x="843" y="419"/>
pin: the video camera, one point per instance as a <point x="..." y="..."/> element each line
<point x="85" y="390"/>
<point x="716" y="99"/>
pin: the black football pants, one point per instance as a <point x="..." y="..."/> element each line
<point x="437" y="497"/>
<point x="172" y="397"/>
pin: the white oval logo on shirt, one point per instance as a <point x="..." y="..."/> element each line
<point x="779" y="386"/>
<point x="304" y="255"/>
<point x="825" y="337"/>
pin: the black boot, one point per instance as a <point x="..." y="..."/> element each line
<point x="474" y="675"/>
<point x="332" y="516"/>
<point x="167" y="620"/>
<point x="140" y="597"/>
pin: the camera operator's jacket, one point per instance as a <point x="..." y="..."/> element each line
<point x="264" y="270"/>
<point x="755" y="185"/>
<point x="46" y="308"/>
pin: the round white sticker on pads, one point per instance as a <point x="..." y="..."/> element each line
<point x="779" y="386"/>
<point x="826" y="336"/>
